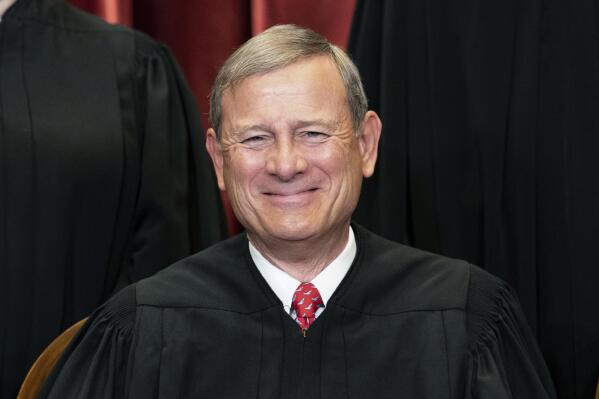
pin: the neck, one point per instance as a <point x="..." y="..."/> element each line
<point x="305" y="259"/>
<point x="5" y="5"/>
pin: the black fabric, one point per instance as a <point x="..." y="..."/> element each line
<point x="103" y="180"/>
<point x="489" y="152"/>
<point x="403" y="323"/>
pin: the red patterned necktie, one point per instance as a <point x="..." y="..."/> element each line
<point x="306" y="301"/>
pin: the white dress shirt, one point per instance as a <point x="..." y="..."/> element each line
<point x="326" y="281"/>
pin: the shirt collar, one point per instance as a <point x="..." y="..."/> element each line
<point x="326" y="281"/>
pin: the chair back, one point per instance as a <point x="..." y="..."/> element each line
<point x="41" y="369"/>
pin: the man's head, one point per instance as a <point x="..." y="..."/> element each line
<point x="292" y="145"/>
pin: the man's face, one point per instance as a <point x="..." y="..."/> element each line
<point x="288" y="156"/>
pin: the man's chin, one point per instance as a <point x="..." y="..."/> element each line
<point x="291" y="233"/>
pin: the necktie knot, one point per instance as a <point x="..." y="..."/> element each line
<point x="306" y="301"/>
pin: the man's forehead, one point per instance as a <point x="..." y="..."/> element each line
<point x="316" y="66"/>
<point x="314" y="76"/>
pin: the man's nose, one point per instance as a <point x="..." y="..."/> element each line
<point x="286" y="159"/>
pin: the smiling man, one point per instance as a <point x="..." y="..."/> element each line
<point x="291" y="156"/>
<point x="304" y="304"/>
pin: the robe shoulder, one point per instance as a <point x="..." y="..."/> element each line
<point x="96" y="362"/>
<point x="63" y="16"/>
<point x="394" y="278"/>
<point x="219" y="277"/>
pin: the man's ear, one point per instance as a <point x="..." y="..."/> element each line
<point x="216" y="154"/>
<point x="369" y="142"/>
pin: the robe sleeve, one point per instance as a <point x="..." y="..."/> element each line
<point x="95" y="363"/>
<point x="177" y="207"/>
<point x="504" y="360"/>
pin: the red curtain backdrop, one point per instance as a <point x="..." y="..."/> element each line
<point x="203" y="33"/>
<point x="113" y="11"/>
<point x="331" y="18"/>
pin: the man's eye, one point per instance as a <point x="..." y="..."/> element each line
<point x="315" y="135"/>
<point x="254" y="140"/>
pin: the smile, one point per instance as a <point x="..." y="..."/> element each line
<point x="297" y="198"/>
<point x="290" y="193"/>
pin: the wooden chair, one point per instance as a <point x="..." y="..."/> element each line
<point x="41" y="369"/>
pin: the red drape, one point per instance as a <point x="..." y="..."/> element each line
<point x="113" y="11"/>
<point x="331" y="18"/>
<point x="203" y="33"/>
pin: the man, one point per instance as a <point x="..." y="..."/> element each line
<point x="304" y="304"/>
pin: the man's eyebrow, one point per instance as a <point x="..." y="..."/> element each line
<point x="246" y="128"/>
<point x="330" y="124"/>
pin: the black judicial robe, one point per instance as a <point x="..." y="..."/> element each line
<point x="490" y="152"/>
<point x="103" y="176"/>
<point x="403" y="323"/>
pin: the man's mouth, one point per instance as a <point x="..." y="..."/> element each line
<point x="291" y="198"/>
<point x="290" y="193"/>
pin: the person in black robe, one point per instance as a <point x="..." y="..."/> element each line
<point x="494" y="153"/>
<point x="291" y="142"/>
<point x="101" y="180"/>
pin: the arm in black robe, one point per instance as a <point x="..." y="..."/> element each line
<point x="504" y="360"/>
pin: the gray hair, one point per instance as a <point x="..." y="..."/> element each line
<point x="280" y="46"/>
